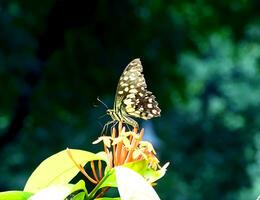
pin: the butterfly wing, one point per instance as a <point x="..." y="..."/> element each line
<point x="132" y="96"/>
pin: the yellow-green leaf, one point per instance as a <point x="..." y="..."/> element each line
<point x="152" y="175"/>
<point x="59" y="168"/>
<point x="109" y="198"/>
<point x="61" y="191"/>
<point x="79" y="186"/>
<point x="140" y="167"/>
<point x="14" y="195"/>
<point x="54" y="192"/>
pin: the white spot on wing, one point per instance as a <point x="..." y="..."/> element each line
<point x="132" y="78"/>
<point x="154" y="111"/>
<point x="130" y="109"/>
<point x="128" y="101"/>
<point x="133" y="91"/>
<point x="131" y="95"/>
<point x="150" y="115"/>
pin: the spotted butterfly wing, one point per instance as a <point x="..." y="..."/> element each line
<point x="132" y="98"/>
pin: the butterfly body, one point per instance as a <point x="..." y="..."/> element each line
<point x="122" y="118"/>
<point x="132" y="99"/>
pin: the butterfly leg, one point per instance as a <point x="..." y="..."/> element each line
<point x="128" y="127"/>
<point x="113" y="126"/>
<point x="104" y="130"/>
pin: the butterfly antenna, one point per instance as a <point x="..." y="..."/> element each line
<point x="102" y="102"/>
<point x="102" y="116"/>
<point x="100" y="124"/>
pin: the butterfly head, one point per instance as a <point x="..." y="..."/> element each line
<point x="110" y="112"/>
<point x="113" y="114"/>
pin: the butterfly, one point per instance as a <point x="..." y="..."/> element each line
<point x="132" y="99"/>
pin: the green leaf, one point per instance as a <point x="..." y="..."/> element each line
<point x="14" y="195"/>
<point x="148" y="173"/>
<point x="79" y="196"/>
<point x="110" y="179"/>
<point x="62" y="191"/>
<point x="105" y="181"/>
<point x="109" y="198"/>
<point x="54" y="192"/>
<point x="138" y="166"/>
<point x="79" y="186"/>
<point x="132" y="185"/>
<point x="153" y="175"/>
<point x="75" y="191"/>
<point x="59" y="169"/>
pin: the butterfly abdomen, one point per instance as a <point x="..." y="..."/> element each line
<point x="121" y="117"/>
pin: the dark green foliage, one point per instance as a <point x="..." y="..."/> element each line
<point x="201" y="60"/>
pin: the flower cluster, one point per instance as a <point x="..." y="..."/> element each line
<point x="123" y="147"/>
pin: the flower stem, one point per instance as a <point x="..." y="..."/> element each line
<point x="94" y="191"/>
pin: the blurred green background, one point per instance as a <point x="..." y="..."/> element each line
<point x="201" y="60"/>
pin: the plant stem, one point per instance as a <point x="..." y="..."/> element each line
<point x="94" y="191"/>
